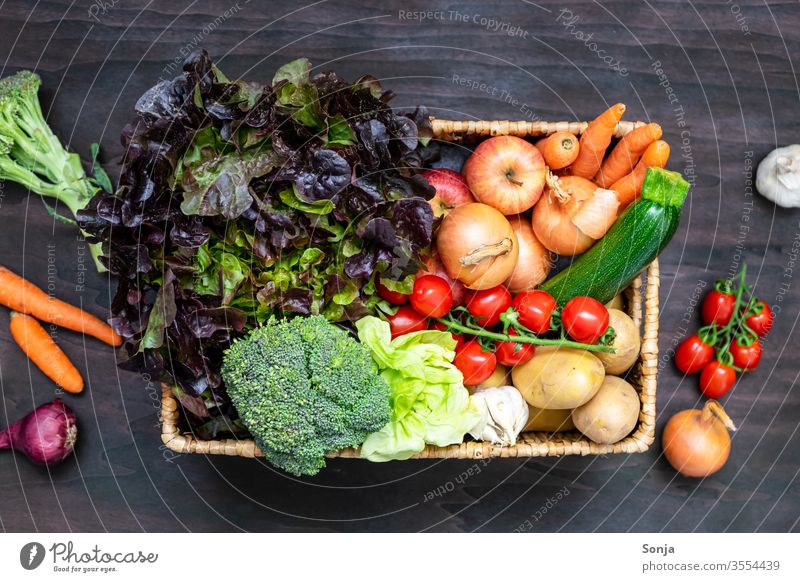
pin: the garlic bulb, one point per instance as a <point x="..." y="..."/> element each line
<point x="504" y="414"/>
<point x="778" y="176"/>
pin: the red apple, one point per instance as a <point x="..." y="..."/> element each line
<point x="451" y="190"/>
<point x="434" y="266"/>
<point x="506" y="172"/>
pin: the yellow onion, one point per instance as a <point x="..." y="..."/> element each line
<point x="477" y="246"/>
<point x="696" y="442"/>
<point x="533" y="264"/>
<point x="594" y="215"/>
<point x="572" y="214"/>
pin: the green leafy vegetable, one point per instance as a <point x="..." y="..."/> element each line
<point x="162" y="316"/>
<point x="295" y="72"/>
<point x="339" y="132"/>
<point x="221" y="185"/>
<point x="429" y="402"/>
<point x="32" y="155"/>
<point x="305" y="388"/>
<point x="100" y="175"/>
<point x="218" y="272"/>
<point x="256" y="200"/>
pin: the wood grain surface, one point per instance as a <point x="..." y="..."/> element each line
<point x="718" y="76"/>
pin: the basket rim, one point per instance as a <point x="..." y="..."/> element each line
<point x="457" y="129"/>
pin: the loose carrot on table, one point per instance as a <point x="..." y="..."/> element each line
<point x="626" y="154"/>
<point x="629" y="186"/>
<point x="595" y="140"/>
<point x="23" y="296"/>
<point x="559" y="149"/>
<point x="43" y="351"/>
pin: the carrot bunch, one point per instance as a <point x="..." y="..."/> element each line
<point x="28" y="304"/>
<point x="625" y="166"/>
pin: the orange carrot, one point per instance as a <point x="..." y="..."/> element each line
<point x="656" y="154"/>
<point x="629" y="186"/>
<point x="626" y="154"/>
<point x="559" y="149"/>
<point x="23" y="296"/>
<point x="43" y="351"/>
<point x="595" y="140"/>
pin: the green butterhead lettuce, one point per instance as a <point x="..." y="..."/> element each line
<point x="429" y="402"/>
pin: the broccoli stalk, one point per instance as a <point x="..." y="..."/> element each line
<point x="32" y="155"/>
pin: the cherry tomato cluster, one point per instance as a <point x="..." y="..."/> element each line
<point x="493" y="327"/>
<point x="729" y="341"/>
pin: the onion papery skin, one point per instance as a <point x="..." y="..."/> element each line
<point x="554" y="227"/>
<point x="533" y="263"/>
<point x="595" y="215"/>
<point x="471" y="229"/>
<point x="46" y="436"/>
<point x="694" y="446"/>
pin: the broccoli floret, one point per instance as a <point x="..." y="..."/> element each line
<point x="32" y="155"/>
<point x="305" y="388"/>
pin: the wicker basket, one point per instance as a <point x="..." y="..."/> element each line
<point x="641" y="304"/>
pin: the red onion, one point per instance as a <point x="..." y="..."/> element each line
<point x="46" y="436"/>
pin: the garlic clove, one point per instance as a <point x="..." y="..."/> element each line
<point x="504" y="414"/>
<point x="788" y="172"/>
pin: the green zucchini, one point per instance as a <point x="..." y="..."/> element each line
<point x="632" y="242"/>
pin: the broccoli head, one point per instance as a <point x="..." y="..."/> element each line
<point x="32" y="155"/>
<point x="305" y="388"/>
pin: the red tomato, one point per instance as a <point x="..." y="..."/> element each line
<point x="762" y="322"/>
<point x="394" y="297"/>
<point x="432" y="296"/>
<point x="534" y="309"/>
<point x="475" y="364"/>
<point x="718" y="307"/>
<point x="487" y="305"/>
<point x="585" y="319"/>
<point x="693" y="355"/>
<point x="406" y="320"/>
<point x="746" y="357"/>
<point x="513" y="353"/>
<point x="442" y="327"/>
<point x="716" y="379"/>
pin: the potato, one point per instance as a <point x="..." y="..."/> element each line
<point x="627" y="342"/>
<point x="498" y="378"/>
<point x="558" y="378"/>
<point x="541" y="419"/>
<point x="618" y="302"/>
<point x="611" y="415"/>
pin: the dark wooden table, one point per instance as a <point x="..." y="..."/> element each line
<point x="720" y="78"/>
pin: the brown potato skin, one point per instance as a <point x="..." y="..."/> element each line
<point x="500" y="377"/>
<point x="627" y="342"/>
<point x="617" y="302"/>
<point x="611" y="415"/>
<point x="558" y="378"/>
<point x="543" y="420"/>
